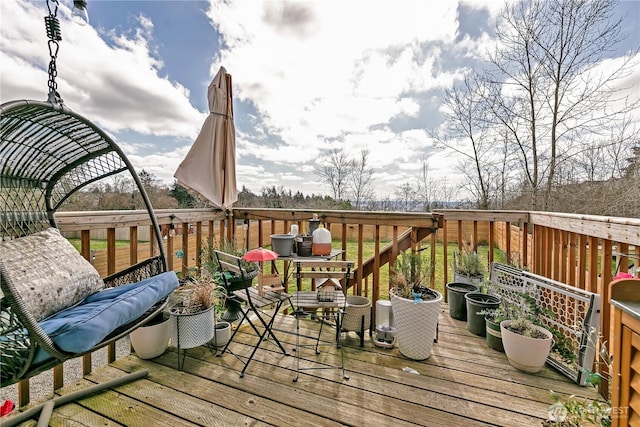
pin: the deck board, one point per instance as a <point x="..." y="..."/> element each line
<point x="463" y="383"/>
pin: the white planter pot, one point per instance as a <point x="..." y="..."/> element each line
<point x="416" y="325"/>
<point x="524" y="353"/>
<point x="192" y="330"/>
<point x="151" y="341"/>
<point x="472" y="280"/>
<point x="357" y="307"/>
<point x="221" y="334"/>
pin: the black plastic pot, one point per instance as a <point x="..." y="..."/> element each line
<point x="235" y="283"/>
<point x="455" y="295"/>
<point x="233" y="304"/>
<point x="477" y="302"/>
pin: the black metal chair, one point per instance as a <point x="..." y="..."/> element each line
<point x="239" y="287"/>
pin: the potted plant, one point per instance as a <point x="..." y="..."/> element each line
<point x="477" y="304"/>
<point x="210" y="266"/>
<point x="193" y="316"/>
<point x="221" y="328"/>
<point x="455" y="296"/>
<point x="415" y="306"/>
<point x="529" y="309"/>
<point x="467" y="266"/>
<point x="492" y="319"/>
<point x="151" y="339"/>
<point x="221" y="333"/>
<point x="573" y="411"/>
<point x="526" y="344"/>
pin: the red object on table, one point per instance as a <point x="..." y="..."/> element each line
<point x="260" y="255"/>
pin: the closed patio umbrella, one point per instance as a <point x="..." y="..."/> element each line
<point x="209" y="168"/>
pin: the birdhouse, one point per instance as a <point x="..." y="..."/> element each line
<point x="327" y="289"/>
<point x="269" y="283"/>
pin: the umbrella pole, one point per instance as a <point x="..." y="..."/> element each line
<point x="230" y="226"/>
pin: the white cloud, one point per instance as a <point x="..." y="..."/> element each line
<point x="327" y="74"/>
<point x="311" y="76"/>
<point x="118" y="86"/>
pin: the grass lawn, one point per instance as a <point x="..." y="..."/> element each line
<point x="97" y="244"/>
<point x="352" y="248"/>
<point x="368" y="250"/>
<point x="439" y="285"/>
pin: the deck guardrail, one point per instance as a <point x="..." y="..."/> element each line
<point x="577" y="250"/>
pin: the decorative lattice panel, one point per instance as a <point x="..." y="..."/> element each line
<point x="575" y="320"/>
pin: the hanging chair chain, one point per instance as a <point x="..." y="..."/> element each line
<point x="52" y="25"/>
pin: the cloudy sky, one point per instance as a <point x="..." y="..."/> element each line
<point x="307" y="77"/>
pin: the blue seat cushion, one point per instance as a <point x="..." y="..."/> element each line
<point x="79" y="328"/>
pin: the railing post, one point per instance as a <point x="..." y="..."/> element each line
<point x="445" y="254"/>
<point x="525" y="243"/>
<point x="198" y="247"/>
<point x="133" y="245"/>
<point x="376" y="263"/>
<point x="170" y="251"/>
<point x="605" y="318"/>
<point x="111" y="250"/>
<point x="434" y="242"/>
<point x="582" y="262"/>
<point x="360" y="275"/>
<point x="492" y="241"/>
<point x="185" y="249"/>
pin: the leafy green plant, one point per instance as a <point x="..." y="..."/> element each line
<point x="562" y="344"/>
<point x="530" y="313"/>
<point x="574" y="411"/>
<point x="503" y="312"/>
<point x="411" y="274"/>
<point x="525" y="327"/>
<point x="209" y="262"/>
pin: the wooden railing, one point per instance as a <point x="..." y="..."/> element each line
<point x="574" y="249"/>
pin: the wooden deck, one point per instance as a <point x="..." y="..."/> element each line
<point x="463" y="383"/>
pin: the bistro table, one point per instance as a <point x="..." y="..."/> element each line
<point x="288" y="260"/>
<point x="321" y="305"/>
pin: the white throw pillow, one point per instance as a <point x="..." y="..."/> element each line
<point x="48" y="272"/>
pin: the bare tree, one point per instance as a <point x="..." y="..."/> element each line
<point x="406" y="197"/>
<point x="335" y="172"/>
<point x="426" y="186"/>
<point x="361" y="181"/>
<point x="443" y="193"/>
<point x="547" y="89"/>
<point x="467" y="132"/>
